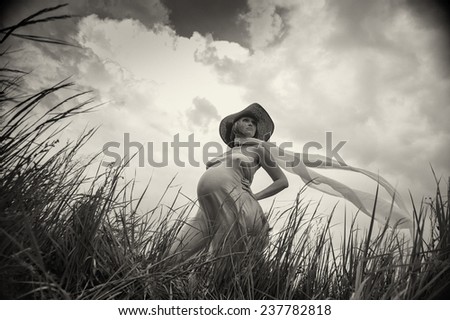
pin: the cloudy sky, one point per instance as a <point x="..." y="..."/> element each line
<point x="374" y="73"/>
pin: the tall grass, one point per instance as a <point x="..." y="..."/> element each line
<point x="65" y="234"/>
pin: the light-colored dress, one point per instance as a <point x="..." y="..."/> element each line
<point x="229" y="215"/>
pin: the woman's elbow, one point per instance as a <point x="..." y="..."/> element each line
<point x="284" y="183"/>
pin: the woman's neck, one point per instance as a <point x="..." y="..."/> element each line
<point x="240" y="141"/>
<point x="239" y="135"/>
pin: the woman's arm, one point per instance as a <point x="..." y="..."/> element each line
<point x="280" y="181"/>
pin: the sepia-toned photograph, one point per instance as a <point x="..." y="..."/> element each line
<point x="225" y="150"/>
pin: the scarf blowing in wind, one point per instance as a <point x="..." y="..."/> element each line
<point x="391" y="211"/>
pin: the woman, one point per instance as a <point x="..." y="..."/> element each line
<point x="230" y="217"/>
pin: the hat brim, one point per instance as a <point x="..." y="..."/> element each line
<point x="265" y="125"/>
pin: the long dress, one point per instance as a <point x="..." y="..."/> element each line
<point x="229" y="215"/>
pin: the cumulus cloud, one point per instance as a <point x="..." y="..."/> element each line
<point x="363" y="70"/>
<point x="202" y="114"/>
<point x="265" y="25"/>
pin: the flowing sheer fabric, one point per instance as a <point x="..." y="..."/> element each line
<point x="392" y="211"/>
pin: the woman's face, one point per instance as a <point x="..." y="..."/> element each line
<point x="246" y="126"/>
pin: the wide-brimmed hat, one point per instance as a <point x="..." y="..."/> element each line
<point x="264" y="127"/>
